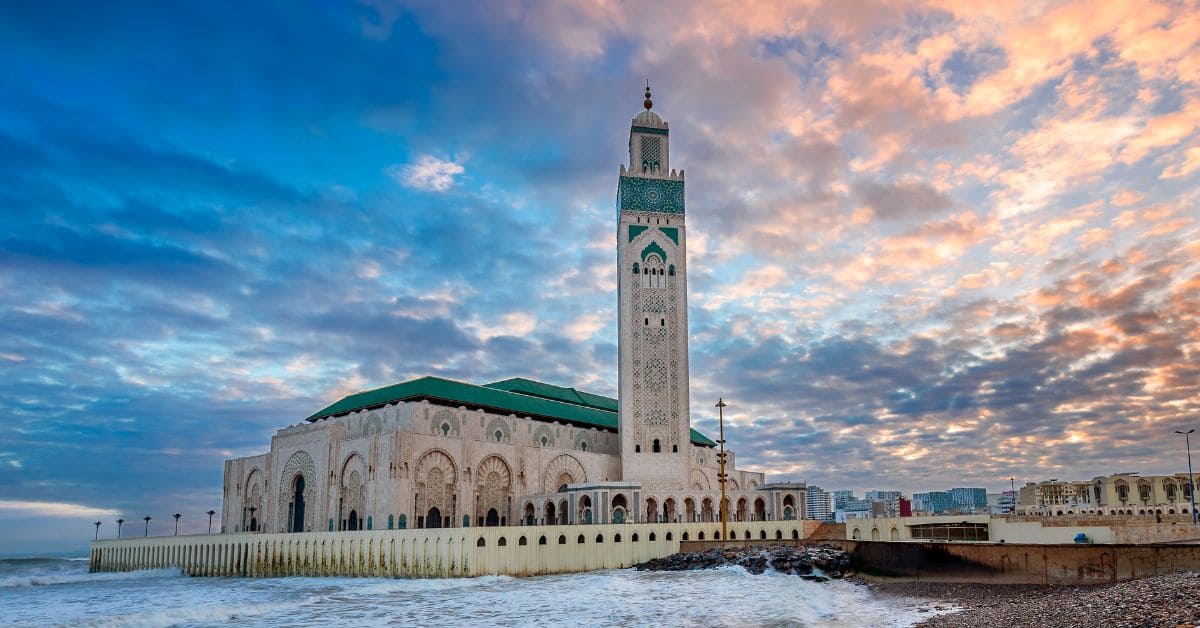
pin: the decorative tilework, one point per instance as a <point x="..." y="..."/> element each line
<point x="648" y="129"/>
<point x="671" y="232"/>
<point x="636" y="230"/>
<point x="654" y="248"/>
<point x="650" y="195"/>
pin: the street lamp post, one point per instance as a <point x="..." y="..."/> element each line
<point x="210" y="514"/>
<point x="147" y="520"/>
<point x="1187" y="439"/>
<point x="721" y="456"/>
<point x="119" y="522"/>
<point x="177" y="516"/>
<point x="97" y="524"/>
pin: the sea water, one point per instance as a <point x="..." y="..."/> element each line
<point x="51" y="591"/>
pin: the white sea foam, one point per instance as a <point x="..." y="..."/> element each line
<point x="727" y="596"/>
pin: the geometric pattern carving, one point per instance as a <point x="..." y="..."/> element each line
<point x="436" y="478"/>
<point x="493" y="486"/>
<point x="563" y="469"/>
<point x="444" y="423"/>
<point x="353" y="492"/>
<point x="650" y="195"/>
<point x="300" y="464"/>
<point x="699" y="481"/>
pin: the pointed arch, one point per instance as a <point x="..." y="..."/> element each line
<point x="563" y="469"/>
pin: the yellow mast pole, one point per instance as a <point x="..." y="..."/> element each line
<point x="721" y="457"/>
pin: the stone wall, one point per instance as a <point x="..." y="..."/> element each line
<point x="430" y="553"/>
<point x="1021" y="563"/>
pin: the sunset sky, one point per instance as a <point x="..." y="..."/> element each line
<point x="931" y="244"/>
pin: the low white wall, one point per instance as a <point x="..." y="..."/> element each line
<point x="428" y="553"/>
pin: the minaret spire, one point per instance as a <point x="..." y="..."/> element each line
<point x="648" y="103"/>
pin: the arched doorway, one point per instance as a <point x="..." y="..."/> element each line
<point x="706" y="510"/>
<point x="789" y="507"/>
<point x="529" y="515"/>
<point x="549" y="513"/>
<point x="743" y="513"/>
<point x="760" y="509"/>
<point x="296" y="508"/>
<point x="651" y="510"/>
<point x="669" y="510"/>
<point x="492" y="519"/>
<point x="620" y="508"/>
<point x="434" y="518"/>
<point x="352" y="521"/>
<point x="562" y="512"/>
<point x="689" y="510"/>
<point x="254" y="524"/>
<point x="585" y="509"/>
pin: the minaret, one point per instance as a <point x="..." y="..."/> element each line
<point x="654" y="423"/>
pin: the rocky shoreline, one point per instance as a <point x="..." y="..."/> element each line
<point x="818" y="563"/>
<point x="1165" y="600"/>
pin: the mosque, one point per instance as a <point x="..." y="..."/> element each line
<point x="434" y="452"/>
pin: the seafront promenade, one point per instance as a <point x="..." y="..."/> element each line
<point x="426" y="553"/>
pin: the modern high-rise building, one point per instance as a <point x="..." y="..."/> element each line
<point x="969" y="499"/>
<point x="820" y="504"/>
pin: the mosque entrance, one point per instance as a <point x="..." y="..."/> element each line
<point x="352" y="523"/>
<point x="297" y="506"/>
<point x="254" y="524"/>
<point x="434" y="518"/>
<point x="492" y="519"/>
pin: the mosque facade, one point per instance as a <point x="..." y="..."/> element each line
<point x="435" y="453"/>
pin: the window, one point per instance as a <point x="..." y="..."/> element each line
<point x="635" y="537"/>
<point x="674" y="449"/>
<point x="542" y="540"/>
<point x="652" y="537"/>
<point x="499" y="436"/>
<point x="670" y="536"/>
<point x="522" y="541"/>
<point x="480" y="542"/>
<point x="580" y="540"/>
<point x="657" y="447"/>
<point x="445" y="429"/>
<point x="562" y="539"/>
<point x="502" y="542"/>
<point x="637" y="449"/>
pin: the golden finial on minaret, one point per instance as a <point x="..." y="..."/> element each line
<point x="648" y="103"/>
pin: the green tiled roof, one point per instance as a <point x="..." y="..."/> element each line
<point x="518" y="396"/>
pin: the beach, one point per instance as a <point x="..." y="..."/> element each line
<point x="1163" y="600"/>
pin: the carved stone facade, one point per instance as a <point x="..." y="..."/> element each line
<point x="438" y="453"/>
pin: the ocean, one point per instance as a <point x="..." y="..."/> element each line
<point x="60" y="592"/>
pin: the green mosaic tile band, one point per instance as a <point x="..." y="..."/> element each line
<point x="650" y="195"/>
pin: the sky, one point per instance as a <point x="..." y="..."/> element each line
<point x="931" y="244"/>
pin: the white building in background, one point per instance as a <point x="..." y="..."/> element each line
<point x="820" y="504"/>
<point x="884" y="503"/>
<point x="433" y="452"/>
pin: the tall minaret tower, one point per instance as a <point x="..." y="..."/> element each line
<point x="655" y="426"/>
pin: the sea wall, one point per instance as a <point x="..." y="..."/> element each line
<point x="1020" y="563"/>
<point x="428" y="553"/>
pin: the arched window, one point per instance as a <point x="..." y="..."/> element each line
<point x="674" y="449"/>
<point x="637" y="449"/>
<point x="617" y="538"/>
<point x="652" y="537"/>
<point x="503" y="542"/>
<point x="522" y="541"/>
<point x="562" y="539"/>
<point x="670" y="536"/>
<point x="580" y="540"/>
<point x="657" y="446"/>
<point x="635" y="537"/>
<point x="685" y="536"/>
<point x="480" y="542"/>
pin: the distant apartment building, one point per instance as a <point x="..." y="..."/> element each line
<point x="1002" y="503"/>
<point x="841" y="496"/>
<point x="820" y="503"/>
<point x="884" y="503"/>
<point x="1117" y="494"/>
<point x="854" y="508"/>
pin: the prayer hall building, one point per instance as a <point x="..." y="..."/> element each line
<point x="434" y="452"/>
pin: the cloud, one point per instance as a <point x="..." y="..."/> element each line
<point x="428" y="173"/>
<point x="14" y="508"/>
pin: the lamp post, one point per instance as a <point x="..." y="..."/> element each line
<point x="210" y="514"/>
<point x="97" y="524"/>
<point x="177" y="516"/>
<point x="721" y="456"/>
<point x="147" y="520"/>
<point x="119" y="522"/>
<point x="1187" y="439"/>
<point x="1012" y="482"/>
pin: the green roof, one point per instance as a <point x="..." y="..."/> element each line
<point x="511" y="396"/>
